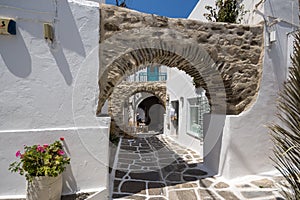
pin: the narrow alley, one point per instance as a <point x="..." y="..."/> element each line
<point x="148" y="168"/>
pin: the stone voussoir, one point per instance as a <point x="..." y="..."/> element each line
<point x="130" y="40"/>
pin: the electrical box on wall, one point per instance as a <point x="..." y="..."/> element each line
<point x="7" y="26"/>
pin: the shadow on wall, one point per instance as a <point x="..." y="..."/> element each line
<point x="69" y="182"/>
<point x="69" y="36"/>
<point x="62" y="64"/>
<point x="15" y="55"/>
<point x="213" y="125"/>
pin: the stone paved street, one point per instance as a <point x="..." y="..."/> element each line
<point x="157" y="168"/>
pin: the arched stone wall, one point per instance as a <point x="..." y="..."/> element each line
<point x="127" y="89"/>
<point x="136" y="60"/>
<point x="131" y="40"/>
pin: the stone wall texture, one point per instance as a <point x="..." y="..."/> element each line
<point x="219" y="56"/>
<point x="121" y="94"/>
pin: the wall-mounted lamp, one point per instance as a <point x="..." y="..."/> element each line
<point x="274" y="21"/>
<point x="272" y="36"/>
<point x="7" y="26"/>
<point x="48" y="32"/>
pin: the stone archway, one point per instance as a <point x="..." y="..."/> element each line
<point x="131" y="40"/>
<point x="127" y="89"/>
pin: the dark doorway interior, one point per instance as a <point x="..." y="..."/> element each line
<point x="153" y="113"/>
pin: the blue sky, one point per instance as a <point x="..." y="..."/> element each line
<point x="168" y="8"/>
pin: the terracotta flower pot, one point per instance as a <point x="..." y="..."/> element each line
<point x="44" y="188"/>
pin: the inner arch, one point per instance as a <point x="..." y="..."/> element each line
<point x="136" y="60"/>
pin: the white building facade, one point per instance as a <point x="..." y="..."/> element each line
<point x="49" y="89"/>
<point x="244" y="145"/>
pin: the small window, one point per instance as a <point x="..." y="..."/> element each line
<point x="196" y="108"/>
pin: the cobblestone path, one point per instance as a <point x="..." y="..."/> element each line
<point x="157" y="168"/>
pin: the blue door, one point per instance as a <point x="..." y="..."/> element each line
<point x="152" y="73"/>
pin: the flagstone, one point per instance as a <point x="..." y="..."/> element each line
<point x="207" y="195"/>
<point x="182" y="194"/>
<point x="221" y="185"/>
<point x="184" y="185"/>
<point x="120" y="174"/>
<point x="189" y="178"/>
<point x="155" y="188"/>
<point x="175" y="177"/>
<point x="263" y="183"/>
<point x="205" y="183"/>
<point x="256" y="194"/>
<point x="195" y="172"/>
<point x="156" y="171"/>
<point x="133" y="187"/>
<point x="228" y="195"/>
<point x="157" y="198"/>
<point x="152" y="176"/>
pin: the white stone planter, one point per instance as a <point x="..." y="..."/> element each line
<point x="44" y="188"/>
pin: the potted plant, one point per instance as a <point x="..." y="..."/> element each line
<point x="42" y="166"/>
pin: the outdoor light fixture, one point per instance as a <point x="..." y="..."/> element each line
<point x="272" y="36"/>
<point x="7" y="26"/>
<point x="48" y="32"/>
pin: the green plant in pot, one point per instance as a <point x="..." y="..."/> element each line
<point x="42" y="165"/>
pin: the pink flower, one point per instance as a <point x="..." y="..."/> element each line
<point x="62" y="139"/>
<point x="18" y="154"/>
<point x="61" y="152"/>
<point x="40" y="149"/>
<point x="45" y="145"/>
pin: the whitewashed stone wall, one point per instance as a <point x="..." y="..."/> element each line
<point x="49" y="90"/>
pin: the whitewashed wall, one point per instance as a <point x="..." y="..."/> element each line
<point x="245" y="145"/>
<point x="180" y="87"/>
<point x="49" y="90"/>
<point x="253" y="7"/>
<point x="199" y="10"/>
